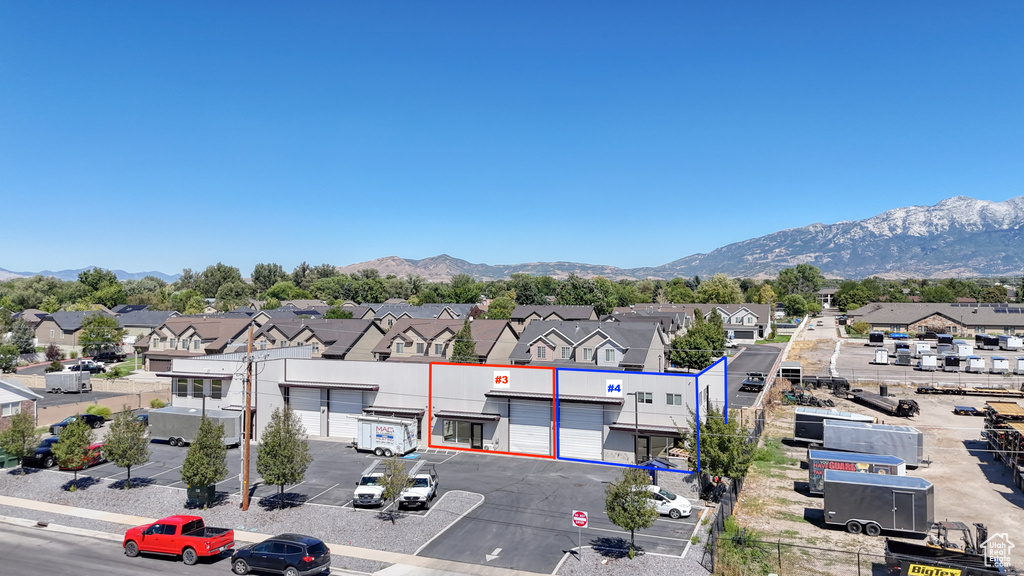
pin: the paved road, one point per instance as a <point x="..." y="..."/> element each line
<point x="41" y="368"/>
<point x="58" y="399"/>
<point x="755" y="358"/>
<point x="38" y="551"/>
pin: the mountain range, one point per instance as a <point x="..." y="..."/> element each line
<point x="959" y="236"/>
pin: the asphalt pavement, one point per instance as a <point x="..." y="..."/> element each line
<point x="755" y="358"/>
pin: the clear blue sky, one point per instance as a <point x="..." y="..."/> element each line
<point x="164" y="135"/>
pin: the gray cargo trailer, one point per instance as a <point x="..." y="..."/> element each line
<point x="904" y="442"/>
<point x="808" y="422"/>
<point x="65" y="382"/>
<point x="871" y="503"/>
<point x="818" y="461"/>
<point x="179" y="425"/>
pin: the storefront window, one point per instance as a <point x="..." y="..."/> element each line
<point x="456" y="432"/>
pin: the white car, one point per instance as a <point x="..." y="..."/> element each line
<point x="666" y="502"/>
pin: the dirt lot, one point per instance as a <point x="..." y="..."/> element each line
<point x="970" y="485"/>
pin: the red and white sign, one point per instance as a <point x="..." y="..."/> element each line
<point x="579" y="519"/>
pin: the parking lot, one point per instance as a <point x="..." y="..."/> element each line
<point x="759" y="358"/>
<point x="525" y="516"/>
<point x="856" y="359"/>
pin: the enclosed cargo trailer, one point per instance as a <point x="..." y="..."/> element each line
<point x="68" y="382"/>
<point x="1000" y="365"/>
<point x="881" y="355"/>
<point x="808" y="423"/>
<point x="179" y="425"/>
<point x="385" y="436"/>
<point x="871" y="503"/>
<point x="904" y="442"/>
<point x="818" y="461"/>
<point x="928" y="363"/>
<point x="975" y="364"/>
<point x="963" y="349"/>
<point x="1007" y="342"/>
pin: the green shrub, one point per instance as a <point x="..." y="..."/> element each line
<point x="55" y="366"/>
<point x="156" y="403"/>
<point x="74" y="354"/>
<point x="100" y="411"/>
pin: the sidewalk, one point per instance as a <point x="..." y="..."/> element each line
<point x="403" y="563"/>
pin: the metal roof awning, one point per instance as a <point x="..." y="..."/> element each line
<point x="611" y="401"/>
<point x="333" y="385"/>
<point x="394" y="411"/>
<point x="518" y="395"/>
<point x="205" y="375"/>
<point x="647" y="429"/>
<point x="471" y="416"/>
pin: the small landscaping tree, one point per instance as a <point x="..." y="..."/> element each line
<point x="53" y="352"/>
<point x="205" y="463"/>
<point x="20" y="439"/>
<point x="395" y="479"/>
<point x="126" y="444"/>
<point x="724" y="450"/>
<point x="627" y="505"/>
<point x="283" y="452"/>
<point x="8" y="357"/>
<point x="74" y="440"/>
<point x="464" y="349"/>
<point x="99" y="331"/>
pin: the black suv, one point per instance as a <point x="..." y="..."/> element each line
<point x="92" y="420"/>
<point x="44" y="454"/>
<point x="87" y="366"/>
<point x="288" y="554"/>
<point x="110" y="356"/>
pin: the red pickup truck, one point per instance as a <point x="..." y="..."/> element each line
<point x="186" y="536"/>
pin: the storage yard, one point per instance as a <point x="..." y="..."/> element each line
<point x="970" y="483"/>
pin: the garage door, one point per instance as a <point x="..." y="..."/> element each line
<point x="306" y="403"/>
<point x="580" y="431"/>
<point x="159" y="365"/>
<point x="529" y="428"/>
<point x="342" y="403"/>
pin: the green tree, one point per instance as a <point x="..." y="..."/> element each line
<point x="337" y="313"/>
<point x="271" y="304"/>
<point x="766" y="295"/>
<point x="301" y="275"/>
<point x="852" y="295"/>
<point x="125" y="443"/>
<point x="9" y="355"/>
<point x="501" y="308"/>
<point x="50" y="304"/>
<point x="937" y="294"/>
<point x="214" y="277"/>
<point x="464" y="290"/>
<point x="23" y="336"/>
<point x="795" y="305"/>
<point x="110" y="296"/>
<point x="395" y="479"/>
<point x="283" y="452"/>
<point x="73" y="441"/>
<point x="179" y="300"/>
<point x="20" y="439"/>
<point x="526" y="289"/>
<point x="719" y="289"/>
<point x="994" y="294"/>
<point x="696" y="350"/>
<point x="464" y="349"/>
<point x="576" y="291"/>
<point x="283" y="290"/>
<point x="723" y="447"/>
<point x="804" y="280"/>
<point x="206" y="460"/>
<point x="97" y="278"/>
<point x="231" y="295"/>
<point x="678" y="292"/>
<point x="195" y="305"/>
<point x="188" y="280"/>
<point x="627" y="505"/>
<point x="266" y="275"/>
<point x="100" y="331"/>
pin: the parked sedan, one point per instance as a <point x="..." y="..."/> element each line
<point x="288" y="554"/>
<point x="92" y="420"/>
<point x="93" y="456"/>
<point x="668" y="503"/>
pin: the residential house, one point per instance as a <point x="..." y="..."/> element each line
<point x="960" y="319"/>
<point x="631" y="346"/>
<point x="431" y="340"/>
<point x="31" y="316"/>
<point x="675" y="319"/>
<point x="64" y="329"/>
<point x="522" y="316"/>
<point x="386" y="315"/>
<point x="15" y="398"/>
<point x="744" y="323"/>
<point x="348" y="339"/>
<point x="826" y="297"/>
<point x="140" y="323"/>
<point x="189" y="336"/>
<point x="126" y="308"/>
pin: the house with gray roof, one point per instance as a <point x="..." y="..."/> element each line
<point x="743" y="323"/>
<point x="140" y="323"/>
<point x="960" y="319"/>
<point x="631" y="346"/>
<point x="422" y="340"/>
<point x="15" y="398"/>
<point x="344" y="339"/>
<point x="522" y="316"/>
<point x="385" y="315"/>
<point x="64" y="328"/>
<point x="675" y="319"/>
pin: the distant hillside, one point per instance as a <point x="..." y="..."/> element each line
<point x="958" y="236"/>
<point x="73" y="274"/>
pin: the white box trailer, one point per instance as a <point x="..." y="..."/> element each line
<point x="929" y="362"/>
<point x="178" y="425"/>
<point x="963" y="349"/>
<point x="950" y="363"/>
<point x="881" y="356"/>
<point x="385" y="436"/>
<point x="975" y="364"/>
<point x="1008" y="342"/>
<point x="1000" y="365"/>
<point x="919" y="348"/>
<point x="1019" y="365"/>
<point x="64" y="382"/>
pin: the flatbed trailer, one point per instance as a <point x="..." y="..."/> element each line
<point x="904" y="408"/>
<point x="970" y="391"/>
<point x="911" y="558"/>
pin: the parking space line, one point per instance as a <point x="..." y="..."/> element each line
<point x="166" y="471"/>
<point x="644" y="535"/>
<point x="452" y="523"/>
<point x="324" y="492"/>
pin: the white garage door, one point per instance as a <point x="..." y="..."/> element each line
<point x="342" y="403"/>
<point x="580" y="431"/>
<point x="306" y="403"/>
<point x="529" y="428"/>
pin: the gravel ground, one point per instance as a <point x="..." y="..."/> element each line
<point x="361" y="528"/>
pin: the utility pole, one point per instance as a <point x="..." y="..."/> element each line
<point x="248" y="424"/>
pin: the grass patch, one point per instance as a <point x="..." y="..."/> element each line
<point x="738" y="552"/>
<point x="791" y="517"/>
<point x="773" y="454"/>
<point x="790" y="533"/>
<point x="779" y="339"/>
